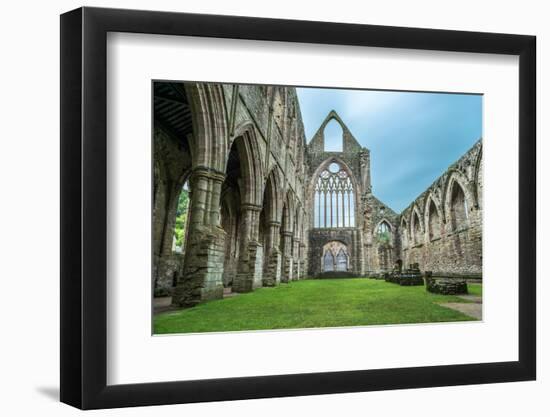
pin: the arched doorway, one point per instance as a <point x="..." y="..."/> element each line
<point x="335" y="257"/>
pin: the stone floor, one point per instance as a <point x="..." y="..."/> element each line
<point x="472" y="309"/>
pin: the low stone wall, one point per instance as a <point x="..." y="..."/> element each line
<point x="446" y="285"/>
<point x="411" y="276"/>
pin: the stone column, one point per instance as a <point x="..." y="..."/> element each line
<point x="296" y="272"/>
<point x="201" y="277"/>
<point x="249" y="265"/>
<point x="286" y="275"/>
<point x="272" y="271"/>
<point x="303" y="260"/>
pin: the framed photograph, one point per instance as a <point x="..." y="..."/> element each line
<point x="257" y="208"/>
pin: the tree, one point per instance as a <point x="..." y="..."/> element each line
<point x="181" y="216"/>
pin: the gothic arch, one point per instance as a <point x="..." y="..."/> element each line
<point x="433" y="223"/>
<point x="331" y="250"/>
<point x="458" y="207"/>
<point x="289" y="211"/>
<point x="384" y="220"/>
<point x="210" y="140"/>
<point x="354" y="188"/>
<point x="404" y="227"/>
<point x="416" y="218"/>
<point x="272" y="197"/>
<point x="460" y="179"/>
<point x="245" y="139"/>
<point x="334" y="132"/>
<point x="325" y="164"/>
<point x="332" y="116"/>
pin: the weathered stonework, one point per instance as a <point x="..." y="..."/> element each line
<point x="255" y="188"/>
<point x="442" y="229"/>
<point x="445" y="285"/>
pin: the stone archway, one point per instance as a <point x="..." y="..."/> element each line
<point x="172" y="165"/>
<point x="335" y="257"/>
<point x="269" y="229"/>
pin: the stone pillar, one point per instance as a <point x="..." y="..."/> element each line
<point x="286" y="275"/>
<point x="302" y="259"/>
<point x="201" y="277"/>
<point x="296" y="272"/>
<point x="272" y="254"/>
<point x="249" y="264"/>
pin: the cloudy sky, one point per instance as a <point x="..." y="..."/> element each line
<point x="413" y="137"/>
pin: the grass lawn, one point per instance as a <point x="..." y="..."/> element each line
<point x="313" y="303"/>
<point x="475" y="289"/>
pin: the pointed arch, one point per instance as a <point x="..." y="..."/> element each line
<point x="209" y="115"/>
<point x="328" y="261"/>
<point x="246" y="141"/>
<point x="404" y="227"/>
<point x="289" y="211"/>
<point x="272" y="196"/>
<point x="387" y="222"/>
<point x="458" y="177"/>
<point x="333" y="136"/>
<point x="417" y="227"/>
<point x="342" y="260"/>
<point x="458" y="207"/>
<point x="333" y="188"/>
<point x="335" y="256"/>
<point x="432" y="217"/>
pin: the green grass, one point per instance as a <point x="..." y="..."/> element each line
<point x="475" y="289"/>
<point x="313" y="303"/>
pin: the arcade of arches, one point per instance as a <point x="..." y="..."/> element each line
<point x="241" y="200"/>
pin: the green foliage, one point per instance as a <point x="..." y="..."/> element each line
<point x="384" y="237"/>
<point x="314" y="303"/>
<point x="181" y="217"/>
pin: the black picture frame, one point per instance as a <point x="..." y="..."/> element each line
<point x="84" y="207"/>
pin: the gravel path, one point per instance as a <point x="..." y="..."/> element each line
<point x="470" y="309"/>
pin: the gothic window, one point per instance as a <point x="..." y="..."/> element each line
<point x="404" y="233"/>
<point x="383" y="232"/>
<point x="334" y="198"/>
<point x="417" y="229"/>
<point x="333" y="137"/>
<point x="434" y="222"/>
<point x="328" y="261"/>
<point x="459" y="207"/>
<point x="335" y="256"/>
<point x="341" y="261"/>
<point x="383" y="228"/>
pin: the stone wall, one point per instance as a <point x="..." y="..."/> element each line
<point x="441" y="229"/>
<point x="242" y="150"/>
<point x="448" y="240"/>
<point x="355" y="160"/>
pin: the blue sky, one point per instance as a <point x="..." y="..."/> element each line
<point x="413" y="137"/>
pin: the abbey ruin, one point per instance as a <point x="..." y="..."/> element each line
<point x="268" y="205"/>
